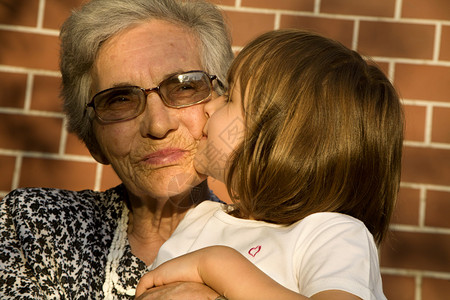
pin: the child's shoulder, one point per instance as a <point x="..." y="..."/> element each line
<point x="332" y="218"/>
<point x="199" y="214"/>
<point x="206" y="207"/>
<point x="329" y="225"/>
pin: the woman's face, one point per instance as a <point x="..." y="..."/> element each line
<point x="222" y="133"/>
<point x="152" y="153"/>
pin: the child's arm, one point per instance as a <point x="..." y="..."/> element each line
<point x="223" y="269"/>
<point x="230" y="274"/>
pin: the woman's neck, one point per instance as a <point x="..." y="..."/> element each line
<point x="152" y="221"/>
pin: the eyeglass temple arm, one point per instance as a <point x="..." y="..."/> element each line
<point x="219" y="83"/>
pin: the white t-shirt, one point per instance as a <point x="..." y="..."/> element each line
<point x="323" y="251"/>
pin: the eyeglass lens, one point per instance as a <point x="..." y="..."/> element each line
<point x="184" y="89"/>
<point x="122" y="103"/>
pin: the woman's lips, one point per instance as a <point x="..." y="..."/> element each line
<point x="164" y="156"/>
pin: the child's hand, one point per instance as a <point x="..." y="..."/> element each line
<point x="179" y="291"/>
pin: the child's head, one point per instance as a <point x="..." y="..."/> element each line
<point x="324" y="132"/>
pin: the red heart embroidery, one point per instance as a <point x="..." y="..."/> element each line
<point x="254" y="250"/>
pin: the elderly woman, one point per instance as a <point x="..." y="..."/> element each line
<point x="136" y="75"/>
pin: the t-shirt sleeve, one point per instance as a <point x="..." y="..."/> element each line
<point x="338" y="253"/>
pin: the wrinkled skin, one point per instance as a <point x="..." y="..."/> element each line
<point x="153" y="153"/>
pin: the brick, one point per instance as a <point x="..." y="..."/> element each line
<point x="13" y="88"/>
<point x="396" y="39"/>
<point x="438" y="206"/>
<point x="407" y="207"/>
<point x="56" y="12"/>
<point x="423" y="82"/>
<point x="7" y="164"/>
<point x="381" y="65"/>
<point x="219" y="189"/>
<point x="435" y="289"/>
<point x="415" y="117"/>
<point x="340" y="30"/>
<point x="45" y="94"/>
<point x="246" y="26"/>
<point x="426" y="9"/>
<point x="29" y="50"/>
<point x="441" y="124"/>
<point x="75" y="146"/>
<point x="398" y="287"/>
<point x="417" y="251"/>
<point x="109" y="178"/>
<point x="30" y="133"/>
<point x="375" y="8"/>
<point x="224" y="2"/>
<point x="19" y="12"/>
<point x="425" y="165"/>
<point x="444" y="52"/>
<point x="71" y="175"/>
<point x="297" y="5"/>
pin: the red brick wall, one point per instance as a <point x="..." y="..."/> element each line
<point x="410" y="39"/>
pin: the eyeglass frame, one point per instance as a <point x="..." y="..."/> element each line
<point x="156" y="90"/>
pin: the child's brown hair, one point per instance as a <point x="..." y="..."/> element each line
<point x="324" y="132"/>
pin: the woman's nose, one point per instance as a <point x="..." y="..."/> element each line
<point x="158" y="119"/>
<point x="213" y="105"/>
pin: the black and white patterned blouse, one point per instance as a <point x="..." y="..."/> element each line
<point x="54" y="244"/>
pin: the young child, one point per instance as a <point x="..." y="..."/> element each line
<point x="309" y="142"/>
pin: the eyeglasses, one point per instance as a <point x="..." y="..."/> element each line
<point x="127" y="102"/>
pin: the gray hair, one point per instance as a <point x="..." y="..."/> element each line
<point x="84" y="32"/>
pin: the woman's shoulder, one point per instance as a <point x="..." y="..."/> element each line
<point x="55" y="230"/>
<point x="58" y="205"/>
<point x="60" y="198"/>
